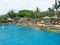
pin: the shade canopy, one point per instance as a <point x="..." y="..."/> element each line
<point x="46" y="17"/>
<point x="54" y="16"/>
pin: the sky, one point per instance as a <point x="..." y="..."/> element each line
<point x="16" y="5"/>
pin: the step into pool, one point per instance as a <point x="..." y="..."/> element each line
<point x="11" y="34"/>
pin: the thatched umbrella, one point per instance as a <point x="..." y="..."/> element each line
<point x="55" y="17"/>
<point x="47" y="20"/>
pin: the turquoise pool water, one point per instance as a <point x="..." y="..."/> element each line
<point x="11" y="34"/>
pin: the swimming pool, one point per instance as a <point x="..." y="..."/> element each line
<point x="12" y="34"/>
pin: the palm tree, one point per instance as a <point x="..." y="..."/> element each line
<point x="59" y="4"/>
<point x="56" y="7"/>
<point x="37" y="13"/>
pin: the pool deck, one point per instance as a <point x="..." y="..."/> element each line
<point x="52" y="28"/>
